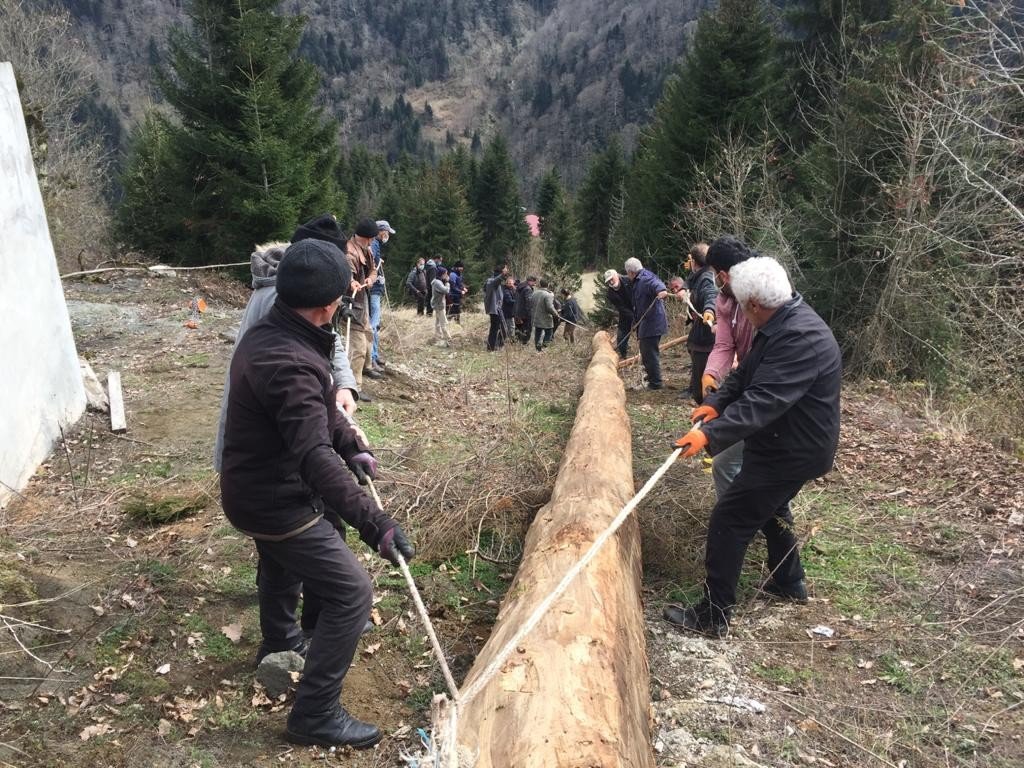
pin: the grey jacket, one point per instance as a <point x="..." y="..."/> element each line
<point x="263" y="264"/>
<point x="543" y="304"/>
<point x="438" y="290"/>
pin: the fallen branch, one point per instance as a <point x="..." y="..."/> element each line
<point x="661" y="348"/>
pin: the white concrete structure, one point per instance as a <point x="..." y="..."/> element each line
<point x="40" y="384"/>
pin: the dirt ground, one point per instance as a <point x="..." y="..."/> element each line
<point x="129" y="643"/>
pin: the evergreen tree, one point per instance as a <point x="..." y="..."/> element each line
<point x="549" y="189"/>
<point x="498" y="206"/>
<point x="557" y="224"/>
<point x="601" y="190"/>
<point x="248" y="156"/>
<point x="729" y="82"/>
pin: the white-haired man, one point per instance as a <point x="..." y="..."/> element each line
<point x="783" y="402"/>
<point x="651" y="322"/>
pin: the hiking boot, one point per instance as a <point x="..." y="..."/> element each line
<point x="380" y="362"/>
<point x="702" y="618"/>
<point x="300" y="648"/>
<point x="373" y="373"/>
<point x="795" y="592"/>
<point x="364" y="397"/>
<point x="654" y="387"/>
<point x="336" y="728"/>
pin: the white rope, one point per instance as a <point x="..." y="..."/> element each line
<point x="499" y="660"/>
<point x="150" y="269"/>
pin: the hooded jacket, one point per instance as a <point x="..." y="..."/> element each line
<point x="648" y="309"/>
<point x="263" y="263"/>
<point x="283" y="436"/>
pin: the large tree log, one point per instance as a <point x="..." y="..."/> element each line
<point x="576" y="691"/>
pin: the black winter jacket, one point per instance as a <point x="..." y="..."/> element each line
<point x="703" y="293"/>
<point x="284" y="438"/>
<point x="783" y="400"/>
<point x="622" y="299"/>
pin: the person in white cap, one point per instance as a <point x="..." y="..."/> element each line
<point x="620" y="296"/>
<point x="377" y="293"/>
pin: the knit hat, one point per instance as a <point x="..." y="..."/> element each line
<point x="323" y="227"/>
<point x="726" y="252"/>
<point x="367" y="228"/>
<point x="384" y="226"/>
<point x="608" y="275"/>
<point x="313" y="273"/>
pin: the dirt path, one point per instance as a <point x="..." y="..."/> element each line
<point x="145" y="633"/>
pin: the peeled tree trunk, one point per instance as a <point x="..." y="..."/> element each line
<point x="575" y="692"/>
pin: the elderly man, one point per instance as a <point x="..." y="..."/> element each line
<point x="364" y="275"/>
<point x="280" y="469"/>
<point x="651" y="320"/>
<point x="783" y="402"/>
<point x="620" y="296"/>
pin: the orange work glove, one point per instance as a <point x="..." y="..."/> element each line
<point x="705" y="412"/>
<point x="692" y="443"/>
<point x="708" y="383"/>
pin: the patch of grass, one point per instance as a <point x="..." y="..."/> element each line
<point x="159" y="572"/>
<point x="240" y="582"/>
<point x="143" y="470"/>
<point x="783" y="675"/>
<point x="236" y="715"/>
<point x="160" y="508"/>
<point x="197" y="360"/>
<point x="893" y="671"/>
<point x="215" y="644"/>
<point x="15" y="587"/>
<point x="855" y="568"/>
<point x="553" y="417"/>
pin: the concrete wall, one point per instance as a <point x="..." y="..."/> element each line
<point x="40" y="384"/>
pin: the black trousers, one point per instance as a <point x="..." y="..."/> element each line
<point x="496" y="333"/>
<point x="622" y="335"/>
<point x="757" y="500"/>
<point x="698" y="362"/>
<point x="650" y="356"/>
<point x="319" y="562"/>
<point x="420" y="303"/>
<point x="524" y="330"/>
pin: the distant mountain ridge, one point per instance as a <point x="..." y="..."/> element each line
<point x="558" y="77"/>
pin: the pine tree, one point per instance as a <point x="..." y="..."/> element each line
<point x="248" y="156"/>
<point x="557" y="224"/>
<point x="601" y="189"/>
<point x="548" y="190"/>
<point x="729" y="82"/>
<point x="498" y="207"/>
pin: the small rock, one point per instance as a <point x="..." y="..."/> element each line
<point x="275" y="671"/>
<point x="162" y="270"/>
<point x="229" y="336"/>
<point x="723" y="756"/>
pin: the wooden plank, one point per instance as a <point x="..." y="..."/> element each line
<point x="576" y="692"/>
<point x="118" y="422"/>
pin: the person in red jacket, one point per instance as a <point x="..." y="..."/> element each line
<point x="280" y="471"/>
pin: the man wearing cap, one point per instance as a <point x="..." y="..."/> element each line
<point x="264" y="262"/>
<point x="282" y="442"/>
<point x="379" y="289"/>
<point x="620" y="296"/>
<point x="364" y="274"/>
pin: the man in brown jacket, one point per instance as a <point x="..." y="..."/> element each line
<point x="364" y="273"/>
<point x="281" y="473"/>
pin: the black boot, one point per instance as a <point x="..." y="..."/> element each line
<point x="795" y="592"/>
<point x="336" y="728"/>
<point x="702" y="618"/>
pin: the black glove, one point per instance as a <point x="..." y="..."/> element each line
<point x="395" y="539"/>
<point x="346" y="307"/>
<point x="364" y="465"/>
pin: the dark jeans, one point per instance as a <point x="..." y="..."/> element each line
<point x="496" y="333"/>
<point x="455" y="311"/>
<point x="650" y="356"/>
<point x="542" y="337"/>
<point x="698" y="362"/>
<point x="421" y="302"/>
<point x="622" y="335"/>
<point x="318" y="562"/>
<point x="756" y="501"/>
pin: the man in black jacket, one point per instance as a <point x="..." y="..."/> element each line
<point x="703" y="293"/>
<point x="783" y="401"/>
<point x="620" y="296"/>
<point x="281" y="469"/>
